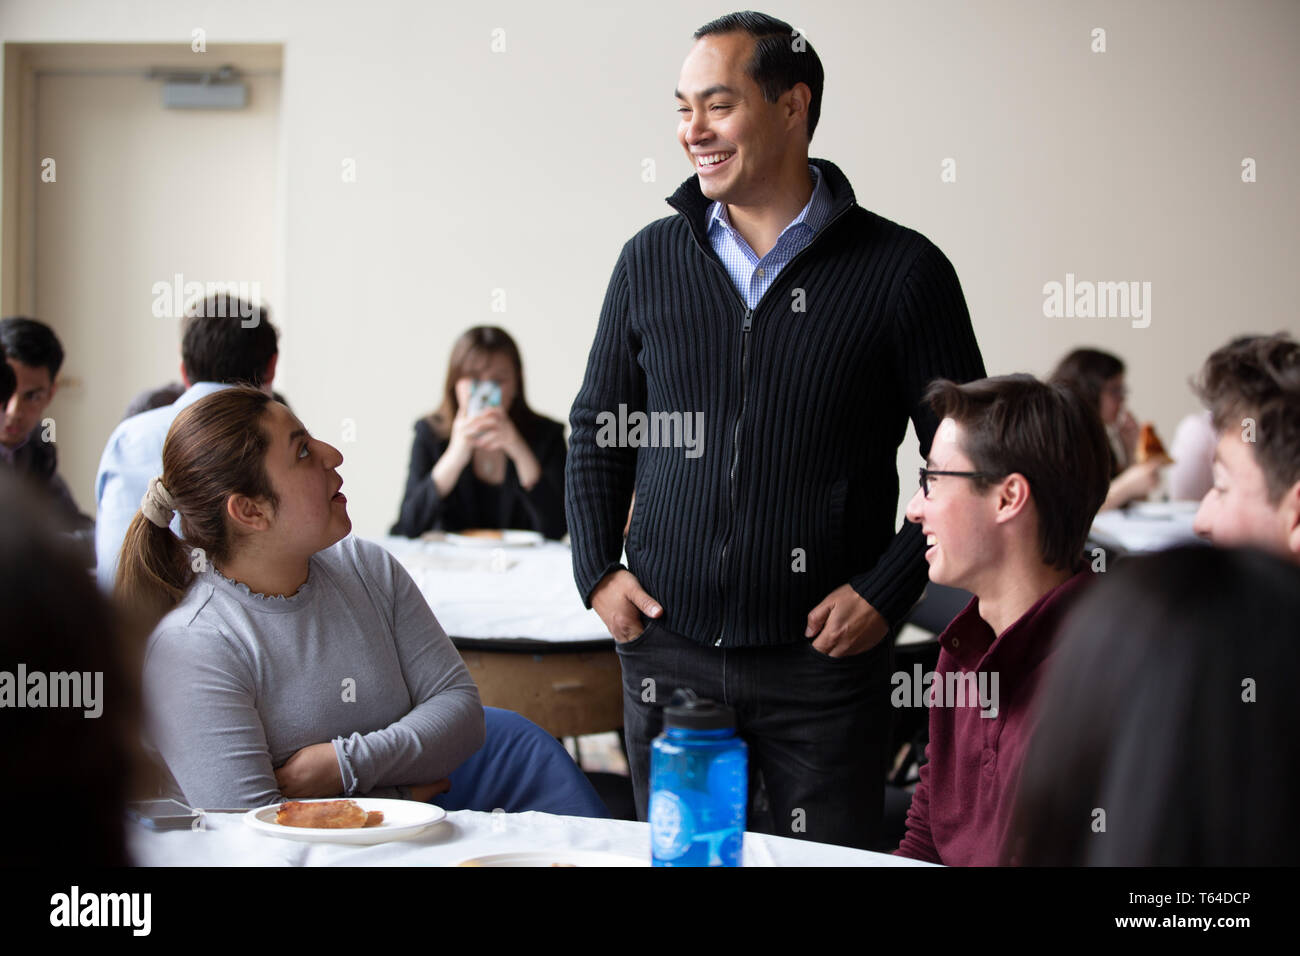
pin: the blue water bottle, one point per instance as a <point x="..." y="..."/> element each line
<point x="699" y="785"/>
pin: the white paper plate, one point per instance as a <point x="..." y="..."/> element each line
<point x="508" y="539"/>
<point x="403" y="819"/>
<point x="553" y="857"/>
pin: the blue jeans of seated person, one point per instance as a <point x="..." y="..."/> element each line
<point x="520" y="767"/>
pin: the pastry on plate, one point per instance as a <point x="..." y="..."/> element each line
<point x="327" y="815"/>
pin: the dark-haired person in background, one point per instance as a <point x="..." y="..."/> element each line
<point x="502" y="468"/>
<point x="1013" y="480"/>
<point x="57" y="622"/>
<point x="152" y="398"/>
<point x="34" y="356"/>
<point x="1166" y="735"/>
<point x="217" y="351"/>
<point x="800" y="329"/>
<point x="1098" y="378"/>
<point x="1252" y="389"/>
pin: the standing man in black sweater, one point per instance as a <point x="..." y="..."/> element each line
<point x="797" y="331"/>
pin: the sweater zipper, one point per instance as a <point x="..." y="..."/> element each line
<point x="746" y="326"/>
<point x="735" y="460"/>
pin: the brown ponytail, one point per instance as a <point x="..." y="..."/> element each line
<point x="215" y="448"/>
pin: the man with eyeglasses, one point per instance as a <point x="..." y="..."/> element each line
<point x="1015" y="475"/>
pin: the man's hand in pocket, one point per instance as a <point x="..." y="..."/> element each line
<point x="620" y="601"/>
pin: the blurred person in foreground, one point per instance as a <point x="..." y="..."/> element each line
<point x="1167" y="733"/>
<point x="7" y="385"/>
<point x="1252" y="389"/>
<point x="1098" y="378"/>
<point x="74" y="738"/>
<point x="1013" y="480"/>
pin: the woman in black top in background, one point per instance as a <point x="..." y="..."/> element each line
<point x="503" y="468"/>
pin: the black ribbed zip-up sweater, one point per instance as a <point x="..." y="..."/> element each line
<point x="795" y="491"/>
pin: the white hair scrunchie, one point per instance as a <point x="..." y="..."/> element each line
<point x="157" y="504"/>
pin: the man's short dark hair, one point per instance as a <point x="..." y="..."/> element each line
<point x="1015" y="423"/>
<point x="32" y="343"/>
<point x="217" y="347"/>
<point x="782" y="57"/>
<point x="1259" y="378"/>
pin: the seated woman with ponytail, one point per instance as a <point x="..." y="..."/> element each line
<point x="294" y="660"/>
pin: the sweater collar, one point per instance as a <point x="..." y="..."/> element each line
<point x="691" y="202"/>
<point x="1023" y="645"/>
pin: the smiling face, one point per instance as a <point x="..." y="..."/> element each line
<point x="1236" y="511"/>
<point x="312" y="514"/>
<point x="723" y="116"/>
<point x="957" y="520"/>
<point x="28" y="402"/>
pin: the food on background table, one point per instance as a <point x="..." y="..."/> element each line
<point x="1150" y="448"/>
<point x="327" y="815"/>
<point x="490" y="533"/>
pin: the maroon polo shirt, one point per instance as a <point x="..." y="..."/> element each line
<point x="961" y="808"/>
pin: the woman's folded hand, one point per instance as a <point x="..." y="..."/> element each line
<point x="311" y="772"/>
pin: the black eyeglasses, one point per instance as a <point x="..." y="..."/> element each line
<point x="928" y="473"/>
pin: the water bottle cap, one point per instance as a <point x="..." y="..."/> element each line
<point x="689" y="712"/>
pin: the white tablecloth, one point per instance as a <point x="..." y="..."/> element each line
<point x="1146" y="528"/>
<point x="225" y="840"/>
<point x="500" y="593"/>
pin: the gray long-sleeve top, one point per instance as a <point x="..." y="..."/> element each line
<point x="236" y="683"/>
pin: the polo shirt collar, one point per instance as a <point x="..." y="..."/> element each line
<point x="1023" y="645"/>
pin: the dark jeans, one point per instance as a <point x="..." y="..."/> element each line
<point x="817" y="727"/>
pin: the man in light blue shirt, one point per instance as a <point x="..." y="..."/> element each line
<point x="220" y="347"/>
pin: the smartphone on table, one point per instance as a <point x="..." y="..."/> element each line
<point x="161" y="814"/>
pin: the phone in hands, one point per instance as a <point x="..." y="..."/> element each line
<point x="483" y="394"/>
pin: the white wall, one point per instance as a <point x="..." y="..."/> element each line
<point x="522" y="171"/>
<point x="142" y="195"/>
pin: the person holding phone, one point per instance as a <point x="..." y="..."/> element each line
<point x="485" y="459"/>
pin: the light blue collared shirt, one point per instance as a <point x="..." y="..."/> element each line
<point x="751" y="275"/>
<point x="131" y="458"/>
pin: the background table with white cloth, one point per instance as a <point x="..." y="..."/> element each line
<point x="516" y="617"/>
<point x="1145" y="526"/>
